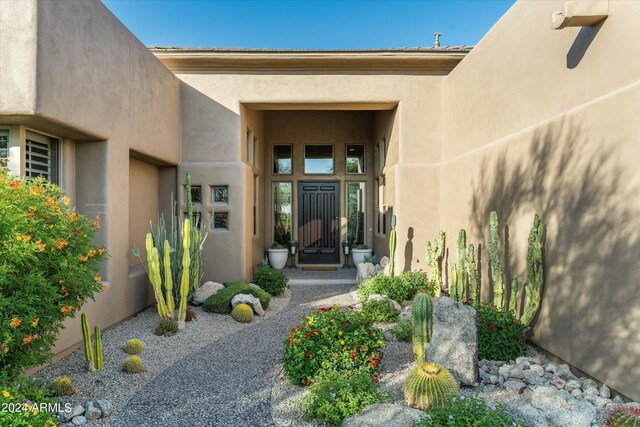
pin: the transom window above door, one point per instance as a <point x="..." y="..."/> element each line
<point x="318" y="159"/>
<point x="355" y="158"/>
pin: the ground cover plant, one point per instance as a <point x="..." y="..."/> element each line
<point x="48" y="268"/>
<point x="271" y="280"/>
<point x="381" y="310"/>
<point x="18" y="396"/>
<point x="343" y="340"/>
<point x="221" y="301"/>
<point x="468" y="412"/>
<point x="500" y="334"/>
<point x="333" y="397"/>
<point x="398" y="288"/>
<point x="403" y="331"/>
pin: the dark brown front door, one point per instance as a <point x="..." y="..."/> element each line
<point x="318" y="222"/>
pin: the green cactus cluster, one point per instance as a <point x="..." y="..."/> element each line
<point x="535" y="271"/>
<point x="133" y="346"/>
<point x="392" y="245"/>
<point x="474" y="276"/>
<point x="133" y="365"/>
<point x="494" y="259"/>
<point x="461" y="266"/>
<point x="429" y="385"/>
<point x="62" y="386"/>
<point x="94" y="358"/>
<point x="421" y="320"/>
<point x="513" y="298"/>
<point x="242" y="313"/>
<point x="166" y="327"/>
<point x="623" y="416"/>
<point x="434" y="252"/>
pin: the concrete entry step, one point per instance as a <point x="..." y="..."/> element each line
<point x="316" y="276"/>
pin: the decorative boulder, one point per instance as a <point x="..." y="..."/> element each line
<point x="384" y="262"/>
<point x="385" y="415"/>
<point x="250" y="300"/>
<point x="454" y="340"/>
<point x="205" y="291"/>
<point x="378" y="297"/>
<point x="405" y="315"/>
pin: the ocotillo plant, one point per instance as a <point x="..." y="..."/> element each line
<point x="535" y="272"/>
<point x="494" y="259"/>
<point x="392" y="245"/>
<point x="93" y="355"/>
<point x="434" y="251"/>
<point x="461" y="266"/>
<point x="513" y="299"/>
<point x="421" y="313"/>
<point x="474" y="276"/>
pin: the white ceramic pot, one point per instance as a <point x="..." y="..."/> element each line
<point x="359" y="255"/>
<point x="278" y="258"/>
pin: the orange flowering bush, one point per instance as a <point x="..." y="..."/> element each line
<point x="48" y="269"/>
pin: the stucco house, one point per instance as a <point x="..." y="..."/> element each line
<point x="325" y="146"/>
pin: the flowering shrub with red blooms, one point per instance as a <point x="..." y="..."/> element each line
<point x="500" y="334"/>
<point x="332" y="338"/>
<point x="48" y="269"/>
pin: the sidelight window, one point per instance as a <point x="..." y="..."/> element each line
<point x="282" y="212"/>
<point x="355" y="213"/>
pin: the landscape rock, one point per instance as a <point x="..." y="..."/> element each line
<point x="454" y="340"/>
<point x="74" y="412"/>
<point x="572" y="385"/>
<point x="378" y="297"/>
<point x="532" y="377"/>
<point x="79" y="420"/>
<point x="384" y="262"/>
<point x="405" y="315"/>
<point x="92" y="413"/>
<point x="104" y="406"/>
<point x="205" y="291"/>
<point x="557" y="382"/>
<point x="618" y="400"/>
<point x="366" y="270"/>
<point x="516" y="386"/>
<point x="552" y="367"/>
<point x="546" y="397"/>
<point x="385" y="415"/>
<point x="249" y="300"/>
<point x="605" y="391"/>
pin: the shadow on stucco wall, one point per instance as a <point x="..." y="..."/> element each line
<point x="590" y="313"/>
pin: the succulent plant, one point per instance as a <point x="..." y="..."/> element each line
<point x="133" y="346"/>
<point x="242" y="313"/>
<point x="392" y="245"/>
<point x="494" y="261"/>
<point x="62" y="386"/>
<point x="429" y="385"/>
<point x="421" y="315"/>
<point x="133" y="365"/>
<point x="93" y="355"/>
<point x="167" y="327"/>
<point x="190" y="315"/>
<point x="434" y="251"/>
<point x="535" y="271"/>
<point x="623" y="416"/>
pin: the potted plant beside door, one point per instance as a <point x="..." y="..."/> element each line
<point x="278" y="255"/>
<point x="360" y="253"/>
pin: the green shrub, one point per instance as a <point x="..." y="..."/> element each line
<point x="134" y="346"/>
<point x="398" y="288"/>
<point x="331" y="338"/>
<point x="270" y="280"/>
<point x="48" y="268"/>
<point x="381" y="310"/>
<point x="500" y="334"/>
<point x="417" y="281"/>
<point x="16" y="397"/>
<point x="133" y="365"/>
<point x="333" y="397"/>
<point x="403" y="331"/>
<point x="221" y="302"/>
<point x="166" y="328"/>
<point x="468" y="412"/>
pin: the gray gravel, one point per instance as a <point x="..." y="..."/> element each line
<point x="229" y="381"/>
<point x="160" y="354"/>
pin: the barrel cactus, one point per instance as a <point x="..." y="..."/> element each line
<point x="429" y="385"/>
<point x="62" y="386"/>
<point x="242" y="313"/>
<point x="166" y="327"/>
<point x="421" y="314"/>
<point x="133" y="365"/>
<point x="623" y="416"/>
<point x="133" y="346"/>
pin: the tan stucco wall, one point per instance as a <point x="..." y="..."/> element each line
<point x="143" y="204"/>
<point x="528" y="128"/>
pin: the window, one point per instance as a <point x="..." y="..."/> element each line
<point x="196" y="193"/>
<point x="196" y="218"/>
<point x="382" y="154"/>
<point x="355" y="213"/>
<point x="220" y="194"/>
<point x="4" y="148"/>
<point x="282" y="159"/>
<point x="318" y="159"/>
<point x="255" y="205"/>
<point x="221" y="220"/>
<point x="42" y="157"/>
<point x="282" y="212"/>
<point x="382" y="207"/>
<point x="355" y="159"/>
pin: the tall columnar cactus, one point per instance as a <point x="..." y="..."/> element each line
<point x="88" y="346"/>
<point x="168" y="279"/>
<point x="98" y="358"/>
<point x="454" y="288"/>
<point x="496" y="265"/>
<point x="429" y="385"/>
<point x="189" y="200"/>
<point x="434" y="252"/>
<point x="392" y="245"/>
<point x="535" y="272"/>
<point x="462" y="266"/>
<point x="155" y="278"/>
<point x="474" y="276"/>
<point x="186" y="261"/>
<point x="513" y="299"/>
<point x="421" y="319"/>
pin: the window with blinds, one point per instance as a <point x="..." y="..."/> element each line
<point x="4" y="148"/>
<point x="41" y="153"/>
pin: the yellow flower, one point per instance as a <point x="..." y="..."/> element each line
<point x="15" y="322"/>
<point x="100" y="251"/>
<point x="339" y="332"/>
<point x="98" y="279"/>
<point x="35" y="322"/>
<point x="5" y="393"/>
<point x="73" y="216"/>
<point x="342" y="342"/>
<point x="97" y="222"/>
<point x="380" y="342"/>
<point x="66" y="201"/>
<point x="91" y="253"/>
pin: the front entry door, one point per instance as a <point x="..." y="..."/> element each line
<point x="319" y="222"/>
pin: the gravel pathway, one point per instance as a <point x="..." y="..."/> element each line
<point x="228" y="382"/>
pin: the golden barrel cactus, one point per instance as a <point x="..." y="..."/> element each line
<point x="242" y="313"/>
<point x="429" y="385"/>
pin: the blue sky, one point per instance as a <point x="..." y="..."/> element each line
<point x="306" y="24"/>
